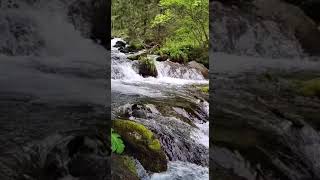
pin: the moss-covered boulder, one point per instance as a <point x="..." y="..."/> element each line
<point x="147" y="67"/>
<point x="142" y="144"/>
<point x="123" y="167"/>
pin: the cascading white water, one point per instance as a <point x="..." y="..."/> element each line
<point x="182" y="170"/>
<point x="168" y="72"/>
<point x="173" y="80"/>
<point x="175" y="70"/>
<point x="121" y="67"/>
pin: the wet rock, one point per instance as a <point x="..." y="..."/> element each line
<point x="130" y="49"/>
<point x="139" y="111"/>
<point x="200" y="67"/>
<point x="142" y="144"/>
<point x="162" y="58"/>
<point x="120" y="44"/>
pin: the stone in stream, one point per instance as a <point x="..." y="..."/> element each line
<point x="162" y="58"/>
<point x="129" y="49"/>
<point x="200" y="67"/>
<point x="139" y="111"/>
<point x="141" y="144"/>
<point x="120" y="44"/>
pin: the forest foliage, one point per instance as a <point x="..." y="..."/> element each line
<point x="175" y="28"/>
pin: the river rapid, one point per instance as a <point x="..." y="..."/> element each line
<point x="179" y="115"/>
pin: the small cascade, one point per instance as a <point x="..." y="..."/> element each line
<point x="170" y="72"/>
<point x="169" y="69"/>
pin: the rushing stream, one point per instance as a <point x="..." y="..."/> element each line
<point x="183" y="132"/>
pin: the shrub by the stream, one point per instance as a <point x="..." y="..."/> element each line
<point x="178" y="29"/>
<point x="184" y="50"/>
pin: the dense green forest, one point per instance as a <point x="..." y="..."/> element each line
<point x="175" y="29"/>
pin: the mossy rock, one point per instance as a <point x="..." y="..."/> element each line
<point x="310" y="87"/>
<point x="147" y="67"/>
<point x="142" y="144"/>
<point x="123" y="167"/>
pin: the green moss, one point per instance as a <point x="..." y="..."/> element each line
<point x="131" y="125"/>
<point x="142" y="144"/>
<point x="310" y="87"/>
<point x="123" y="167"/>
<point x="143" y="132"/>
<point x="155" y="145"/>
<point x="204" y="89"/>
<point x="129" y="163"/>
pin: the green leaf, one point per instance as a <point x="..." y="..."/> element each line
<point x="117" y="145"/>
